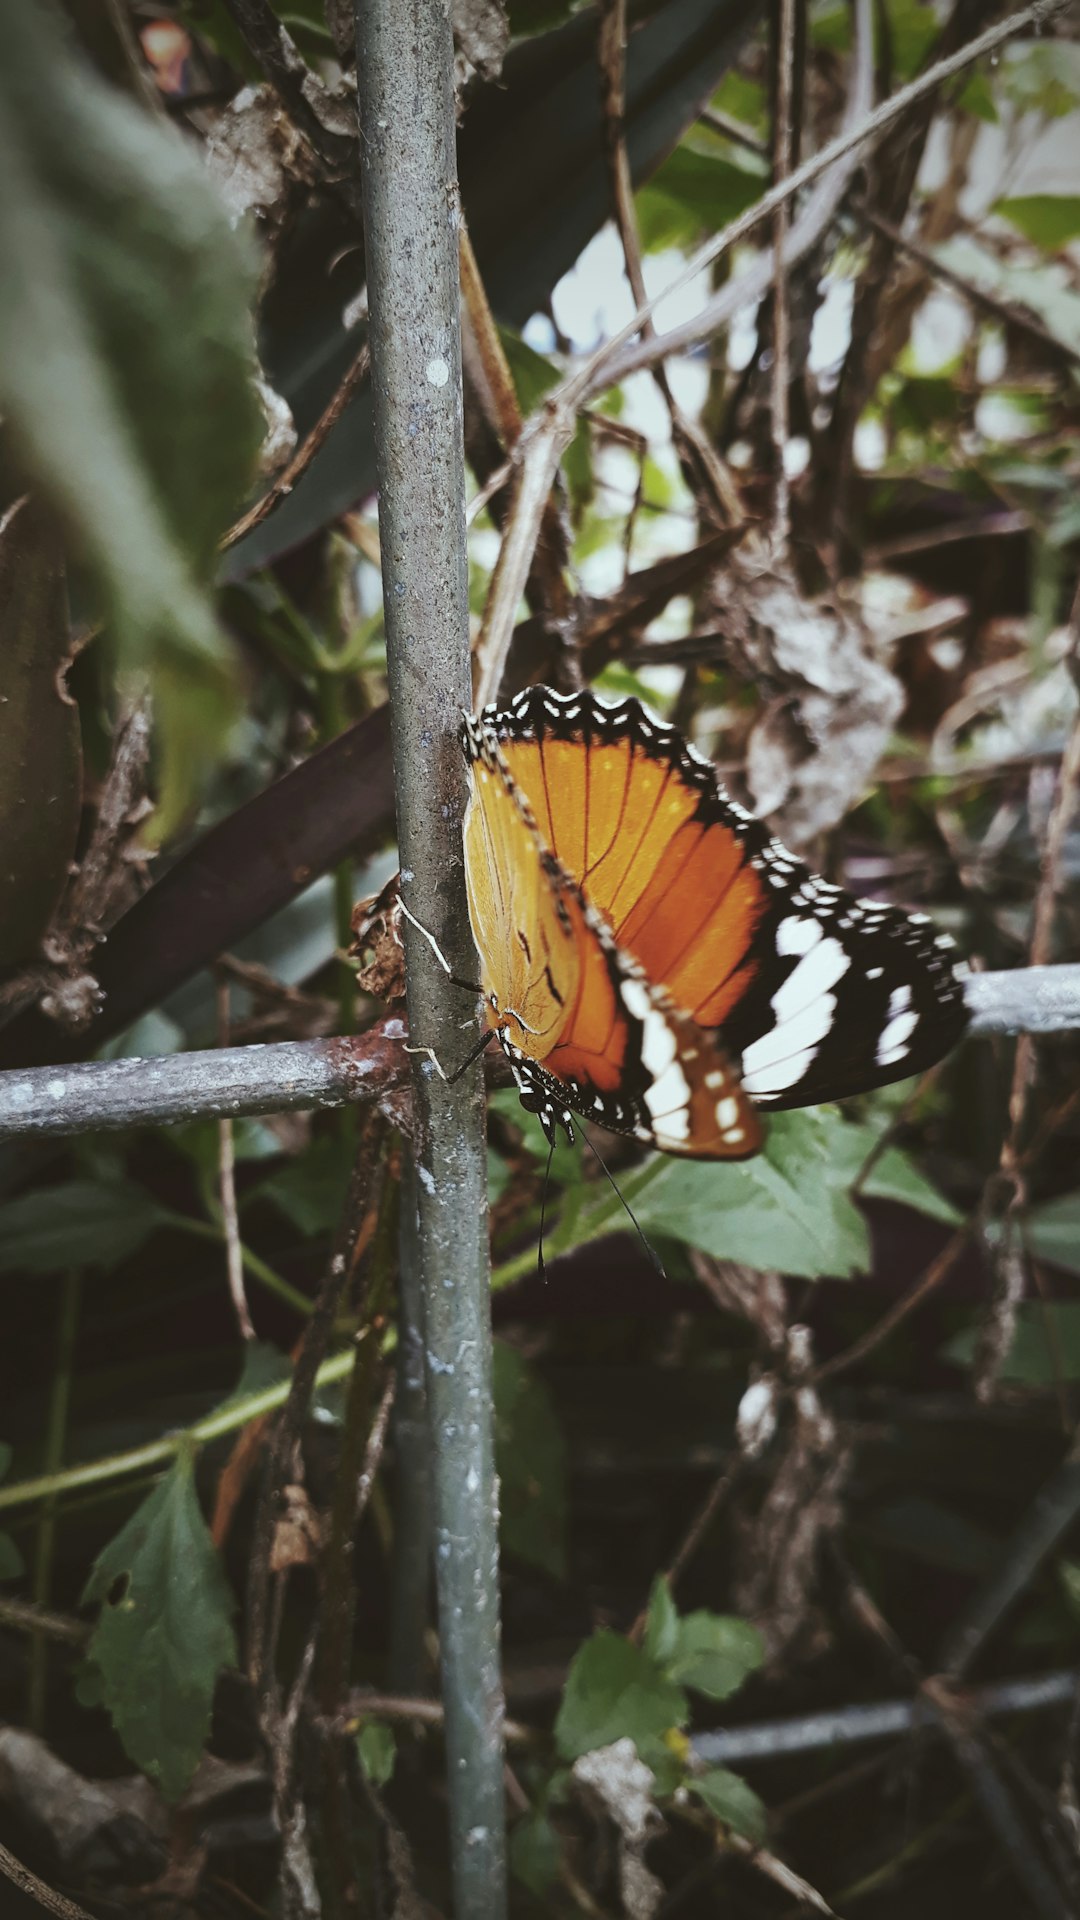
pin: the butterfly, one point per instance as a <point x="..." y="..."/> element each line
<point x="653" y="959"/>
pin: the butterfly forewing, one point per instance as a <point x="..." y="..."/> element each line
<point x="820" y="994"/>
<point x="576" y="1017"/>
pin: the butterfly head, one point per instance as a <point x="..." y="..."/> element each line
<point x="536" y="1098"/>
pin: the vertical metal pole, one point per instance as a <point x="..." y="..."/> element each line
<point x="405" y="70"/>
<point x="410" y="1607"/>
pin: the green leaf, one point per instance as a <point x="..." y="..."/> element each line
<point x="498" y="1176"/>
<point x="896" y="1177"/>
<point x="530" y="17"/>
<point x="614" y="1691"/>
<point x="83" y="1224"/>
<point x="692" y="193"/>
<point x="12" y="1564"/>
<point x="1042" y="77"/>
<point x="125" y="362"/>
<point x="662" y="1628"/>
<point x="715" y="1653"/>
<point x="1052" y="1232"/>
<point x="913" y="30"/>
<point x="40" y="747"/>
<point x="377" y="1751"/>
<point x="310" y="1190"/>
<point x="788" y="1208"/>
<point x="732" y="1801"/>
<point x="200" y="1140"/>
<point x="530" y="1457"/>
<point x="976" y="97"/>
<point x="742" y="100"/>
<point x="1050" y="220"/>
<point x="164" y="1631"/>
<point x="535" y="1854"/>
<point x="264" y="1365"/>
<point x="893" y="1176"/>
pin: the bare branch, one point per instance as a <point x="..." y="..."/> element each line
<point x="304" y="455"/>
<point x="610" y="364"/>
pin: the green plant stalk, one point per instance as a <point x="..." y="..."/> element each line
<point x="113" y="1466"/>
<point x="56" y="1432"/>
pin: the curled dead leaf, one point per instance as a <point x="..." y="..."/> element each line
<point x="297" y="1538"/>
<point x="376" y="929"/>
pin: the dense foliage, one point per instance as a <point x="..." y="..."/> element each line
<point x="836" y="539"/>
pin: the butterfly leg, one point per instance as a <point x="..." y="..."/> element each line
<point x="470" y="986"/>
<point x="473" y="1054"/>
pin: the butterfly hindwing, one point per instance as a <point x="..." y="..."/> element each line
<point x="818" y="993"/>
<point x="581" y="1024"/>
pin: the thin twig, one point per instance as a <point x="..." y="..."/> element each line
<point x="230" y="1218"/>
<point x="709" y="476"/>
<point x="36" y="1889"/>
<point x="784" y="158"/>
<point x="364" y="1705"/>
<point x="546" y="435"/>
<point x="1003" y="1820"/>
<point x="24" y="1616"/>
<point x="315" y="1339"/>
<point x="1004" y="310"/>
<point x="936" y="1272"/>
<point x="729" y="129"/>
<point x="490" y="379"/>
<point x="304" y="455"/>
<point x="716" y="1498"/>
<point x="1047" y="1519"/>
<point x="1006" y="1194"/>
<point x="614" y="360"/>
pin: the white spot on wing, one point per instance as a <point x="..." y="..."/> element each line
<point x="797" y="936"/>
<point x="893" y="1044"/>
<point x="778" y="1075"/>
<point x="816" y="972"/>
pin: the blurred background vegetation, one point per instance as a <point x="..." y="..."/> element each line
<point x="836" y="541"/>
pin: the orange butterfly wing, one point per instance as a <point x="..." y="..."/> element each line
<point x="576" y="1017"/>
<point x="677" y="892"/>
<point x="819" y="993"/>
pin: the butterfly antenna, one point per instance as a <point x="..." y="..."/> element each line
<point x="540" y="1267"/>
<point x="654" y="1257"/>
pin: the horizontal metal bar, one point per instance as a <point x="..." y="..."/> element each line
<point x="290" y="1075"/>
<point x="332" y="1073"/>
<point x="881" y="1720"/>
<point x="1026" y="1000"/>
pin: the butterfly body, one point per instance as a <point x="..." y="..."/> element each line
<point x="653" y="958"/>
